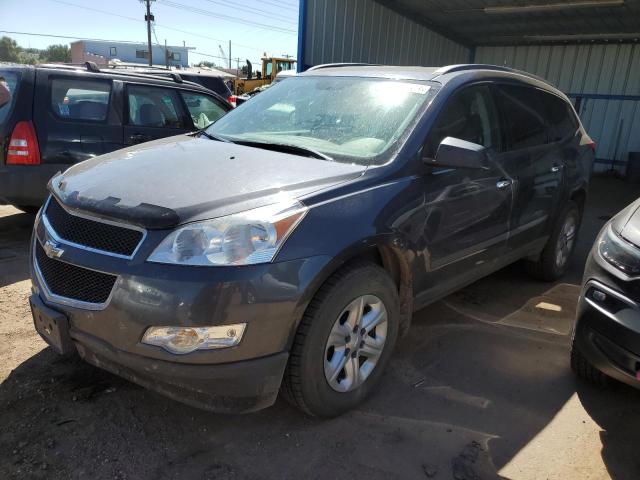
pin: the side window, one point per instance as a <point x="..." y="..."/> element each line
<point x="468" y="115"/>
<point x="524" y="108"/>
<point x="203" y="109"/>
<point x="562" y="121"/>
<point x="154" y="107"/>
<point x="80" y="99"/>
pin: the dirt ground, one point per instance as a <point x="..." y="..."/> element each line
<point x="480" y="389"/>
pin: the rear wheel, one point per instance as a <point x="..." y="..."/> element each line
<point x="555" y="258"/>
<point x="343" y="342"/>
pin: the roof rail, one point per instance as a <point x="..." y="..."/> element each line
<point x="484" y="66"/>
<point x="337" y="65"/>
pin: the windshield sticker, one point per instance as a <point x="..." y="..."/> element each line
<point x="64" y="109"/>
<point x="416" y="88"/>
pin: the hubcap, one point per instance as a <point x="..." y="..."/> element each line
<point x="564" y="246"/>
<point x="355" y="343"/>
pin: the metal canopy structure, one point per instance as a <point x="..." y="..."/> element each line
<point x="525" y="22"/>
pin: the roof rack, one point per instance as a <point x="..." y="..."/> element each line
<point x="484" y="66"/>
<point x="337" y="65"/>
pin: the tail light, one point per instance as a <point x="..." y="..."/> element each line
<point x="592" y="145"/>
<point x="233" y="100"/>
<point x="23" y="145"/>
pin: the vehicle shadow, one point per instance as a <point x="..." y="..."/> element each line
<point x="15" y="232"/>
<point x="616" y="410"/>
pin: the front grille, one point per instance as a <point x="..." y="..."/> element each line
<point x="70" y="281"/>
<point x="92" y="233"/>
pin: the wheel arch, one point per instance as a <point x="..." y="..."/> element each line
<point x="382" y="251"/>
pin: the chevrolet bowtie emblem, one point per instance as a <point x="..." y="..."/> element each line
<point x="52" y="249"/>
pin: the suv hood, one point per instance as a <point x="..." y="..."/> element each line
<point x="627" y="223"/>
<point x="181" y="179"/>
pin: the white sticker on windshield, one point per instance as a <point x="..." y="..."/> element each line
<point x="417" y="88"/>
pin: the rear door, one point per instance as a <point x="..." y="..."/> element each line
<point x="76" y="115"/>
<point x="153" y="112"/>
<point x="532" y="159"/>
<point x="467" y="210"/>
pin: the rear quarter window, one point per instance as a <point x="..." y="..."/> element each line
<point x="80" y="99"/>
<point x="10" y="81"/>
<point x="562" y="121"/>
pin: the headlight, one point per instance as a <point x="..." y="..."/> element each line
<point x="181" y="340"/>
<point x="619" y="253"/>
<point x="245" y="238"/>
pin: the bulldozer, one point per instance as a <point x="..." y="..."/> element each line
<point x="271" y="66"/>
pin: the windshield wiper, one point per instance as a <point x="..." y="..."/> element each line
<point x="286" y="148"/>
<point x="211" y="136"/>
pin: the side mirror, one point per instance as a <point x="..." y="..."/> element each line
<point x="456" y="153"/>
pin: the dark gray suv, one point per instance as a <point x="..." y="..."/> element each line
<point x="285" y="247"/>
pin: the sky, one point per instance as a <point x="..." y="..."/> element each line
<point x="253" y="26"/>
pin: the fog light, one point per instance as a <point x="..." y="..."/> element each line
<point x="182" y="340"/>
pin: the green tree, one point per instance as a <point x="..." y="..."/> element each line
<point x="206" y="64"/>
<point x="9" y="50"/>
<point x="56" y="53"/>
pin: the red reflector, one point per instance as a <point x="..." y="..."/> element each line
<point x="233" y="100"/>
<point x="23" y="145"/>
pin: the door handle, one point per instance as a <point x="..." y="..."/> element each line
<point x="502" y="184"/>
<point x="556" y="168"/>
<point x="139" y="138"/>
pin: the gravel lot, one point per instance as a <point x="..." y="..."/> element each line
<point x="479" y="389"/>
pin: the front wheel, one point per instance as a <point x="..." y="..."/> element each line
<point x="554" y="259"/>
<point x="343" y="342"/>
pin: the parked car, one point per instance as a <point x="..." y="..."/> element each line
<point x="606" y="338"/>
<point x="292" y="240"/>
<point x="207" y="79"/>
<point x="62" y="115"/>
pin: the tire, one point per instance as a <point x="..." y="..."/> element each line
<point x="582" y="368"/>
<point x="31" y="210"/>
<point x="548" y="267"/>
<point x="333" y="311"/>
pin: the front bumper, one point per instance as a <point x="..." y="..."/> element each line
<point x="607" y="330"/>
<point x="26" y="185"/>
<point x="269" y="298"/>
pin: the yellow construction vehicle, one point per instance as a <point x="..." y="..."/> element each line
<point x="271" y="66"/>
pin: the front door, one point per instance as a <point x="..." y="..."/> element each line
<point x="153" y="112"/>
<point x="467" y="210"/>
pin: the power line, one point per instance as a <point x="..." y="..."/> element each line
<point x="279" y="5"/>
<point x="209" y="13"/>
<point x="157" y="25"/>
<point x="247" y="9"/>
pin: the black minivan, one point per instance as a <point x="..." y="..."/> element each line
<point x="285" y="247"/>
<point x="60" y="115"/>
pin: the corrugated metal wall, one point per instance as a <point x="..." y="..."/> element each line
<point x="366" y="31"/>
<point x="604" y="80"/>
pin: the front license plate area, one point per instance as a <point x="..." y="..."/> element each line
<point x="53" y="326"/>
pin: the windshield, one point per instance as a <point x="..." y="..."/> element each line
<point x="355" y="120"/>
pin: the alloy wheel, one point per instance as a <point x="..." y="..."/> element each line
<point x="355" y="343"/>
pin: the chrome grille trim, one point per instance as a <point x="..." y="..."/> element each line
<point x="53" y="234"/>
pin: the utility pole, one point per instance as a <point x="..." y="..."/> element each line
<point x="149" y="18"/>
<point x="229" y="53"/>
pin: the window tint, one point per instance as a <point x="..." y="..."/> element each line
<point x="524" y="108"/>
<point x="79" y="99"/>
<point x="203" y="110"/>
<point x="562" y="121"/>
<point x="468" y="115"/>
<point x="153" y="107"/>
